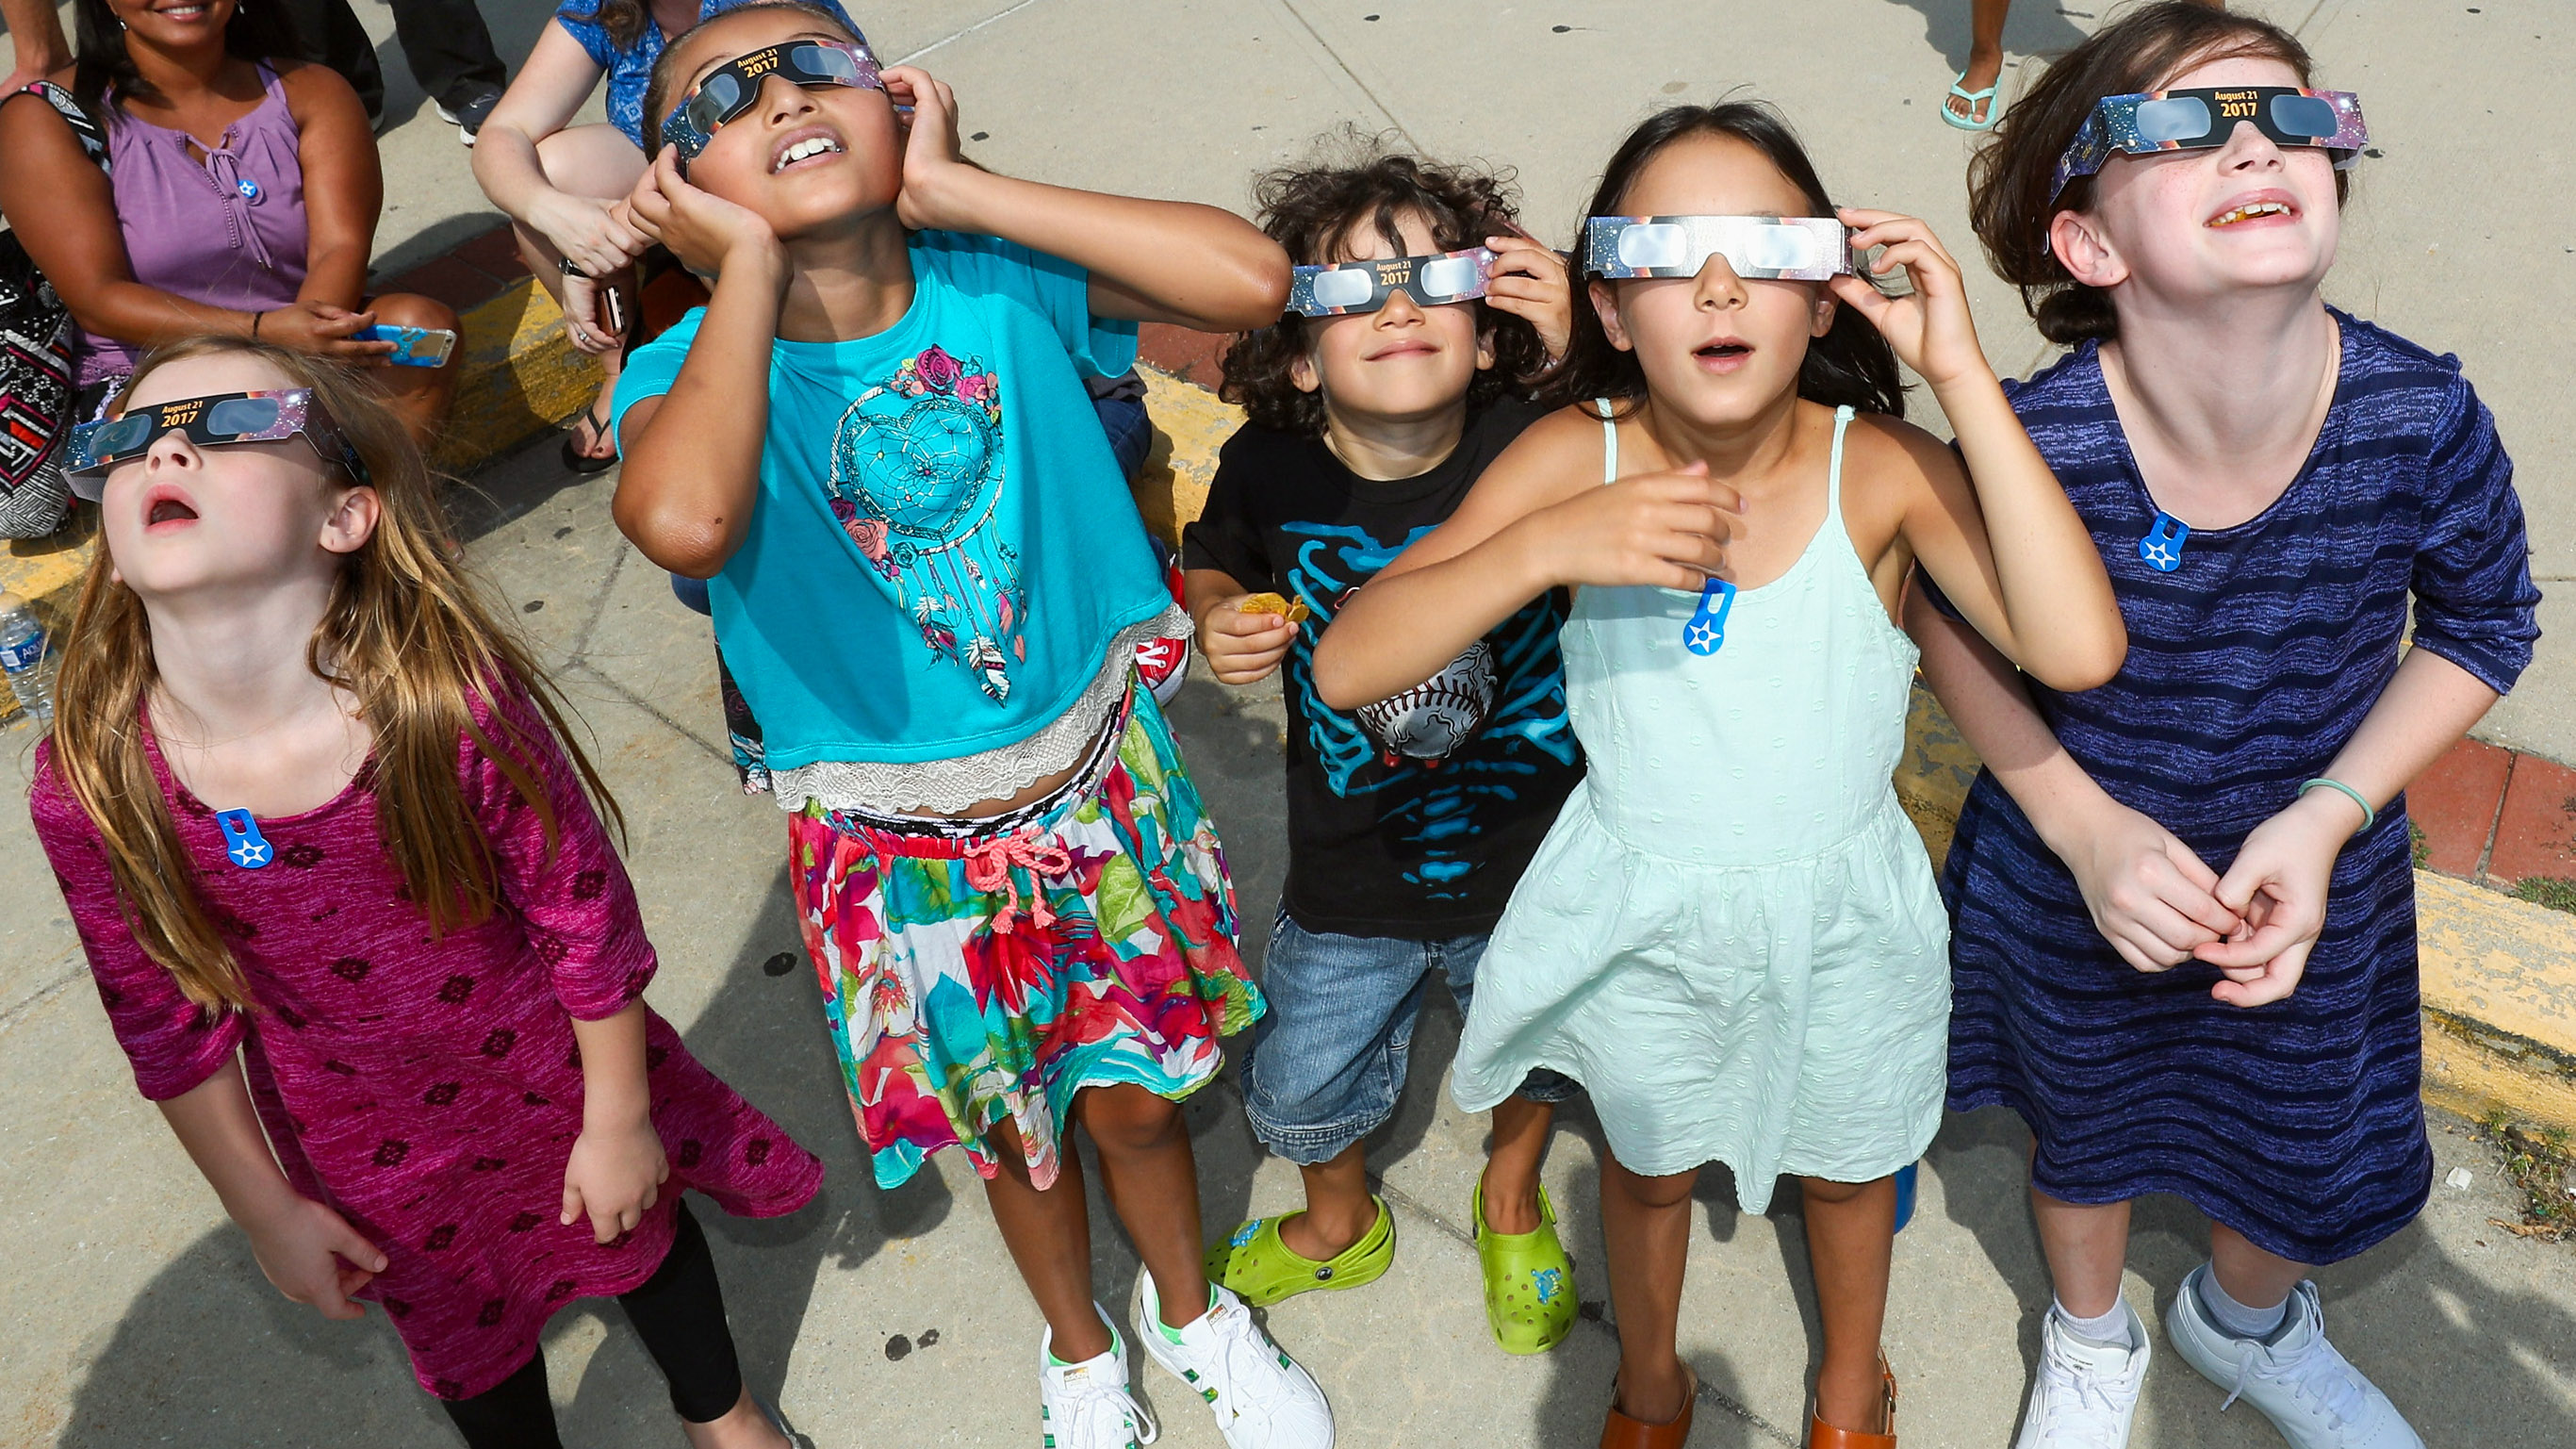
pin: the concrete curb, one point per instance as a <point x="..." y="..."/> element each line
<point x="2499" y="974"/>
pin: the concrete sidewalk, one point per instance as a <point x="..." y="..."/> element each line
<point x="135" y="1315"/>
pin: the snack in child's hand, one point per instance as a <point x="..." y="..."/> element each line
<point x="1293" y="610"/>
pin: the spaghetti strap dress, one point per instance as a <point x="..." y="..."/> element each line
<point x="1731" y="935"/>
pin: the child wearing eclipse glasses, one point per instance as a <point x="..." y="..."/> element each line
<point x="341" y="875"/>
<point x="1418" y="317"/>
<point x="1730" y="934"/>
<point x="2185" y="946"/>
<point x="875" y="443"/>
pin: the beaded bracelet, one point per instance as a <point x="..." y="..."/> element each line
<point x="2369" y="817"/>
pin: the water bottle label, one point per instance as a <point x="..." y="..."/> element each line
<point x="22" y="656"/>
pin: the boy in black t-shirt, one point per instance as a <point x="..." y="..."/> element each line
<point x="1374" y="405"/>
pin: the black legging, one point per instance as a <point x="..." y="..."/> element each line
<point x="679" y="1313"/>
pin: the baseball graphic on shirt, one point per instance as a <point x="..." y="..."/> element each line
<point x="1432" y="719"/>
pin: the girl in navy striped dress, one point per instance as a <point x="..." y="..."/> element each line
<point x="2184" y="943"/>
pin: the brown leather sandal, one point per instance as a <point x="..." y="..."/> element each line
<point x="1821" y="1435"/>
<point x="1621" y="1432"/>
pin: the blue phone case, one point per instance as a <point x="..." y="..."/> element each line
<point x="413" y="346"/>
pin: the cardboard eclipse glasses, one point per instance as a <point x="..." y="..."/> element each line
<point x="1758" y="248"/>
<point x="734" y="87"/>
<point x="2204" y="117"/>
<point x="213" y="421"/>
<point x="1431" y="281"/>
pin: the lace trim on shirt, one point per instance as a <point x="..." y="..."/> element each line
<point x="948" y="786"/>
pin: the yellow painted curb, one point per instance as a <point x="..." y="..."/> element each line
<point x="1190" y="424"/>
<point x="520" y="376"/>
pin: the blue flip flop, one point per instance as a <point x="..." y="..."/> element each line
<point x="1969" y="122"/>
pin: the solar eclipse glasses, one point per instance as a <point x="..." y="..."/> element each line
<point x="1758" y="248"/>
<point x="1346" y="287"/>
<point x="209" y="422"/>
<point x="734" y="87"/>
<point x="2204" y="117"/>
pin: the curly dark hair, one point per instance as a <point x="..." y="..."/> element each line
<point x="1316" y="210"/>
<point x="1851" y="364"/>
<point x="2009" y="178"/>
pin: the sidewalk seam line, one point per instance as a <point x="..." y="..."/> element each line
<point x="1344" y="67"/>
<point x="993" y="19"/>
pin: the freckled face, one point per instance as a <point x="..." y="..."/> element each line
<point x="1716" y="348"/>
<point x="804" y="160"/>
<point x="2205" y="224"/>
<point x="1403" y="360"/>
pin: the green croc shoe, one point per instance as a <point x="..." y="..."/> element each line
<point x="1529" y="1282"/>
<point x="1261" y="1270"/>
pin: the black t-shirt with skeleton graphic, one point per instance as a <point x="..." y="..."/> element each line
<point x="1412" y="818"/>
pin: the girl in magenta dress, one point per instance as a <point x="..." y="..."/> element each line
<point x="313" y="814"/>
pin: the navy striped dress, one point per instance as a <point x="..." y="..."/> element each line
<point x="2298" y="1124"/>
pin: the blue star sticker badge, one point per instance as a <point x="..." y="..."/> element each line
<point x="1707" y="628"/>
<point x="2162" y="547"/>
<point x="243" y="845"/>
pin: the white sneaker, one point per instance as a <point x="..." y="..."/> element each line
<point x="1262" y="1399"/>
<point x="2311" y="1393"/>
<point x="1086" y="1405"/>
<point x="2084" y="1394"/>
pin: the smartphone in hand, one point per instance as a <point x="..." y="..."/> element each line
<point x="413" y="346"/>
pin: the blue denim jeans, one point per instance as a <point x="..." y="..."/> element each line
<point x="1328" y="1057"/>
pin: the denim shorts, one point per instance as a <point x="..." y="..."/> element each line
<point x="1328" y="1059"/>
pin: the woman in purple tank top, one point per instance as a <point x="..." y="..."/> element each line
<point x="239" y="196"/>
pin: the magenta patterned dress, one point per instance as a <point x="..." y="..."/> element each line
<point x="430" y="1091"/>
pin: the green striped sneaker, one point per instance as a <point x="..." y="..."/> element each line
<point x="1086" y="1405"/>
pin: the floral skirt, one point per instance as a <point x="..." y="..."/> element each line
<point x="984" y="970"/>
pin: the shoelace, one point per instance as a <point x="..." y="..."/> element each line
<point x="2336" y="1385"/>
<point x="2081" y="1388"/>
<point x="1248" y="1361"/>
<point x="1084" y="1396"/>
<point x="989" y="867"/>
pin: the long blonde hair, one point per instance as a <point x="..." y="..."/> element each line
<point x="406" y="632"/>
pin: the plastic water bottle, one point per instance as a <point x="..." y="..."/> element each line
<point x="29" y="663"/>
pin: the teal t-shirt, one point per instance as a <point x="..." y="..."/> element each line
<point x="942" y="547"/>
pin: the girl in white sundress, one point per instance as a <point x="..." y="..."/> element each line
<point x="1731" y="935"/>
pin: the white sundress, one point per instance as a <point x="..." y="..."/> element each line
<point x="1731" y="935"/>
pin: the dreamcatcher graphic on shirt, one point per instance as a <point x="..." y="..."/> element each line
<point x="916" y="473"/>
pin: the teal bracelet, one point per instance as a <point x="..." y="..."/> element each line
<point x="2369" y="817"/>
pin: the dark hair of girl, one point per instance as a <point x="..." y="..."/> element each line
<point x="2009" y="178"/>
<point x="624" y="20"/>
<point x="1317" y="211"/>
<point x="1850" y="365"/>
<point x="657" y="87"/>
<point x="259" y="32"/>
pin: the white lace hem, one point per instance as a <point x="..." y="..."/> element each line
<point x="944" y="787"/>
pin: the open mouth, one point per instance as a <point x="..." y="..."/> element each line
<point x="182" y="12"/>
<point x="2251" y="211"/>
<point x="804" y="148"/>
<point x="167" y="506"/>
<point x="1724" y="356"/>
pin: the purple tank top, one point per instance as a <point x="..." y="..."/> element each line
<point x="227" y="230"/>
